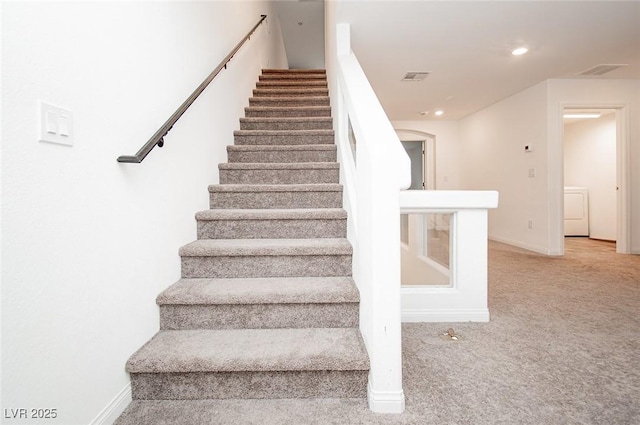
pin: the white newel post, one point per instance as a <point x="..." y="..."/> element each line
<point x="381" y="169"/>
<point x="379" y="271"/>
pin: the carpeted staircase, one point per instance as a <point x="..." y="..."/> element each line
<point x="266" y="307"/>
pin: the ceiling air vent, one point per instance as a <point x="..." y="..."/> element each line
<point x="415" y="76"/>
<point x="602" y="69"/>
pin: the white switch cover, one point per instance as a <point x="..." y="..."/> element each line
<point x="56" y="125"/>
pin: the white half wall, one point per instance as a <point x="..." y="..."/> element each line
<point x="88" y="243"/>
<point x="590" y="161"/>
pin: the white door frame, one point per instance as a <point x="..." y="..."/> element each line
<point x="623" y="170"/>
<point x="428" y="153"/>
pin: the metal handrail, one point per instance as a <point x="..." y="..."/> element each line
<point x="158" y="137"/>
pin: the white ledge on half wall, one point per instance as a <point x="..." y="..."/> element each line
<point x="418" y="201"/>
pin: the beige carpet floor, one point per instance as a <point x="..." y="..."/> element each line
<point x="562" y="348"/>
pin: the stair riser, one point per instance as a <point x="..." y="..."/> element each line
<point x="266" y="266"/>
<point x="259" y="316"/>
<point x="287" y="112"/>
<point x="289" y="101"/>
<point x="284" y="139"/>
<point x="272" y="229"/>
<point x="320" y="124"/>
<point x="291" y="84"/>
<point x="301" y="176"/>
<point x="275" y="200"/>
<point x="290" y="92"/>
<point x="293" y="77"/>
<point x="282" y="156"/>
<point x="247" y="385"/>
<point x="298" y="71"/>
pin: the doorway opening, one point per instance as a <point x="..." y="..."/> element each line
<point x="594" y="175"/>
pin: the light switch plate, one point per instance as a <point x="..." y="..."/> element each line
<point x="56" y="125"/>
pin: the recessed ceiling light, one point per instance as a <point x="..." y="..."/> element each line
<point x="439" y="113"/>
<point x="424" y="113"/>
<point x="519" y="51"/>
<point x="582" y="115"/>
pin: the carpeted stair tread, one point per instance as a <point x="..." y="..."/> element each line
<point x="287" y="111"/>
<point x="289" y="223"/>
<point x="253" y="148"/>
<point x="251" y="350"/>
<point x="270" y="196"/>
<point x="289" y="101"/>
<point x="259" y="303"/>
<point x="281" y="290"/>
<point x="324" y="187"/>
<point x="294" y="71"/>
<point x="282" y="153"/>
<point x="285" y="119"/>
<point x="251" y="412"/>
<point x="318" y="132"/>
<point x="291" y="91"/>
<point x="266" y="247"/>
<point x="292" y="77"/>
<point x="279" y="166"/>
<point x="289" y="123"/>
<point x="291" y="83"/>
<point x="284" y="137"/>
<point x="272" y="214"/>
<point x="279" y="173"/>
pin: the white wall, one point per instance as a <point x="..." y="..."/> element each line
<point x="447" y="145"/>
<point x="590" y="161"/>
<point x="493" y="157"/>
<point x="88" y="243"/>
<point x="492" y="154"/>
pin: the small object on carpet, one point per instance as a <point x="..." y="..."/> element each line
<point x="450" y="335"/>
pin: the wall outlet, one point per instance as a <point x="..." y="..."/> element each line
<point x="530" y="224"/>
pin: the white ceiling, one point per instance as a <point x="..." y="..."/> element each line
<point x="466" y="46"/>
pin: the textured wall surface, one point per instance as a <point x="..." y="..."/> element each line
<point x="87" y="243"/>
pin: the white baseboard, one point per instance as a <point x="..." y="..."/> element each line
<point x="385" y="401"/>
<point x="539" y="250"/>
<point x="115" y="408"/>
<point x="453" y="315"/>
